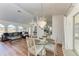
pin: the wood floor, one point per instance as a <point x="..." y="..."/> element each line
<point x="19" y="48"/>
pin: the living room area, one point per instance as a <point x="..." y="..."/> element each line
<point x="25" y="34"/>
<point x="39" y="29"/>
<point x="14" y="36"/>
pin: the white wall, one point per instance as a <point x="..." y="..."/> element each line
<point x="69" y="27"/>
<point x="58" y="28"/>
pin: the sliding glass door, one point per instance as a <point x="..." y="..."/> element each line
<point x="76" y="34"/>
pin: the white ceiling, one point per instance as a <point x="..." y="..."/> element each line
<point x="45" y="9"/>
<point x="8" y="11"/>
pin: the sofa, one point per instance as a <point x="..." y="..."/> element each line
<point x="10" y="36"/>
<point x="13" y="36"/>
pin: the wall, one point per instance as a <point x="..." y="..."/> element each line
<point x="58" y="28"/>
<point x="69" y="27"/>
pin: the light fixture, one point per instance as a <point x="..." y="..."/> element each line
<point x="41" y="20"/>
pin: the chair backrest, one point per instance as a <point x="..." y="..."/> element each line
<point x="31" y="45"/>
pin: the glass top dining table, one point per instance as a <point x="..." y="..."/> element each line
<point x="41" y="42"/>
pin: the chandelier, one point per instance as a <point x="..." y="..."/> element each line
<point x="41" y="20"/>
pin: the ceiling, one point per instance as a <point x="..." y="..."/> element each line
<point x="45" y="9"/>
<point x="25" y="12"/>
<point x="10" y="12"/>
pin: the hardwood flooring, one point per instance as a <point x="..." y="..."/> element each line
<point x="19" y="48"/>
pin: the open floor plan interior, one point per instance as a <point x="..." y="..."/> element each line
<point x="39" y="29"/>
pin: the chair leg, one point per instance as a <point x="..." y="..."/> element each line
<point x="28" y="54"/>
<point x="44" y="52"/>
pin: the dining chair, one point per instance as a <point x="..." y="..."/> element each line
<point x="51" y="45"/>
<point x="35" y="49"/>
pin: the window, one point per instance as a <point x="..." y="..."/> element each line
<point x="11" y="28"/>
<point x="20" y="28"/>
<point x="2" y="29"/>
